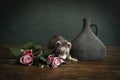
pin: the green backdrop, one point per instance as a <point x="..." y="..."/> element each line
<point x="23" y="21"/>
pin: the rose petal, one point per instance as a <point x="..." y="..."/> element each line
<point x="27" y="52"/>
<point x="56" y="62"/>
<point x="50" y="59"/>
<point x="51" y="56"/>
<point x="26" y="59"/>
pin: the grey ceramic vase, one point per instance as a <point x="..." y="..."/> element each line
<point x="87" y="46"/>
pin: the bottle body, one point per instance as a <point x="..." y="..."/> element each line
<point x="87" y="46"/>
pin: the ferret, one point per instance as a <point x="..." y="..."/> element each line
<point x="61" y="46"/>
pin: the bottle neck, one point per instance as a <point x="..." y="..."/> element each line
<point x="86" y="23"/>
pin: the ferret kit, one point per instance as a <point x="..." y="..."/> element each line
<point x="61" y="47"/>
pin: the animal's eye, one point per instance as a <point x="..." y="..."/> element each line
<point x="58" y="43"/>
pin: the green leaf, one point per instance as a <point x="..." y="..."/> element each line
<point x="37" y="50"/>
<point x="13" y="61"/>
<point x="28" y="45"/>
<point x="47" y="52"/>
<point x="15" y="51"/>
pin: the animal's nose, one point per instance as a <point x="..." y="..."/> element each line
<point x="62" y="48"/>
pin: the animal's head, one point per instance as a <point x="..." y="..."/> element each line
<point x="62" y="49"/>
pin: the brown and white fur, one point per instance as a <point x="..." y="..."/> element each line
<point x="62" y="47"/>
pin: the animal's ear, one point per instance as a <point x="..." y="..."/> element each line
<point x="57" y="43"/>
<point x="69" y="45"/>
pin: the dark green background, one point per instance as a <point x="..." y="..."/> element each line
<point x="22" y="21"/>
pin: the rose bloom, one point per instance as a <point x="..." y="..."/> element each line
<point x="53" y="61"/>
<point x="56" y="62"/>
<point x="50" y="59"/>
<point x="27" y="57"/>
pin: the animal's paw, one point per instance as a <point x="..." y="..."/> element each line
<point x="74" y="60"/>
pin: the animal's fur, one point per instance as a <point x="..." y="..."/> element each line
<point x="62" y="47"/>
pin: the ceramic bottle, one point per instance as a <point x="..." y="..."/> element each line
<point x="86" y="45"/>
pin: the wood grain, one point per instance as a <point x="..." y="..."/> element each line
<point x="107" y="69"/>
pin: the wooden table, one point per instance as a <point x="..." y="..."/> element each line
<point x="107" y="69"/>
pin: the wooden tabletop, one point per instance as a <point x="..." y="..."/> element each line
<point x="107" y="69"/>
